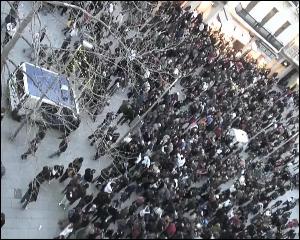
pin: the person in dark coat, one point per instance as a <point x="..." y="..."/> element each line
<point x="2" y="112"/>
<point x="41" y="133"/>
<point x="77" y="163"/>
<point x="62" y="147"/>
<point x="73" y="193"/>
<point x="2" y="219"/>
<point x="74" y="182"/>
<point x="127" y="114"/>
<point x="84" y="201"/>
<point x="102" y="213"/>
<point x="57" y="172"/>
<point x="43" y="34"/>
<point x="72" y="169"/>
<point x="122" y="108"/>
<point x="108" y="119"/>
<point x="44" y="175"/>
<point x="88" y="175"/>
<point x="66" y="42"/>
<point x="31" y="194"/>
<point x="2" y="170"/>
<point x="32" y="149"/>
<point x="63" y="11"/>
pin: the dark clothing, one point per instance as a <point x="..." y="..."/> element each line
<point x="2" y="219"/>
<point x="59" y="170"/>
<point x="32" y="193"/>
<point x="42" y="36"/>
<point x="32" y="149"/>
<point x="65" y="43"/>
<point x="101" y="199"/>
<point x="114" y="213"/>
<point x="61" y="148"/>
<point x="63" y="145"/>
<point x="74" y="216"/>
<point x="88" y="175"/>
<point x="75" y="192"/>
<point x="70" y="172"/>
<point x="84" y="201"/>
<point x="44" y="175"/>
<point x="102" y="213"/>
<point x="40" y="135"/>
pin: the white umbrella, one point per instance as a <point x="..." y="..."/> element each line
<point x="239" y="135"/>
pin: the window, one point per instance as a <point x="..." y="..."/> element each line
<point x="251" y="5"/>
<point x="281" y="29"/>
<point x="269" y="16"/>
<point x="258" y="27"/>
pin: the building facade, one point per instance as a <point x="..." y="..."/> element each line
<point x="268" y="31"/>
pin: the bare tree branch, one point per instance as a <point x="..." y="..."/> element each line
<point x="57" y="3"/>
<point x="17" y="35"/>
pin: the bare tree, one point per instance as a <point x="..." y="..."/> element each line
<point x="17" y="35"/>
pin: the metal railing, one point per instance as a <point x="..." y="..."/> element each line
<point x="258" y="27"/>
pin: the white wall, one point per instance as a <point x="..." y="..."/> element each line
<point x="276" y="22"/>
<point x="288" y="34"/>
<point x="261" y="10"/>
<point x="285" y="13"/>
<point x="194" y="4"/>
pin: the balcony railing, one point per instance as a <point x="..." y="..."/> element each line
<point x="258" y="27"/>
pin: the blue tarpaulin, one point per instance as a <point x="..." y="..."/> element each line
<point x="39" y="80"/>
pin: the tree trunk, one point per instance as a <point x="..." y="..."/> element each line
<point x="16" y="37"/>
<point x="9" y="46"/>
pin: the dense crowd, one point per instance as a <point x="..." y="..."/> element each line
<point x="171" y="169"/>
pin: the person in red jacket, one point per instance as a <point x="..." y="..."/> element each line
<point x="171" y="229"/>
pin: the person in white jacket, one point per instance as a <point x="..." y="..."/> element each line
<point x="165" y="139"/>
<point x="66" y="232"/>
<point x="11" y="29"/>
<point x="158" y="211"/>
<point x="146" y="161"/>
<point x="180" y="160"/>
<point x="147" y="74"/>
<point x="139" y="158"/>
<point x="108" y="187"/>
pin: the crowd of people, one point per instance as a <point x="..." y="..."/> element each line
<point x="171" y="170"/>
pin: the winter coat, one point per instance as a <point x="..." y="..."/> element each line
<point x="57" y="172"/>
<point x="124" y="106"/>
<point x="88" y="175"/>
<point x="171" y="229"/>
<point x="11" y="29"/>
<point x="45" y="174"/>
<point x="34" y="193"/>
<point x="63" y="145"/>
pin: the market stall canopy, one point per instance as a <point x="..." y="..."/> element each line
<point x="38" y="81"/>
